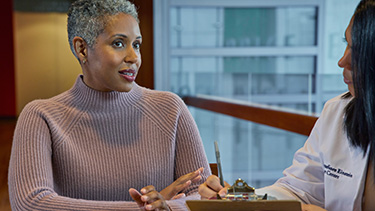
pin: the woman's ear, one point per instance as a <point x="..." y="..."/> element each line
<point x="80" y="48"/>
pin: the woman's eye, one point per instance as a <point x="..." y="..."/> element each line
<point x="344" y="40"/>
<point x="118" y="44"/>
<point x="137" y="45"/>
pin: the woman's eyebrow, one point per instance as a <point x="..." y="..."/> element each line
<point x="124" y="36"/>
<point x="120" y="35"/>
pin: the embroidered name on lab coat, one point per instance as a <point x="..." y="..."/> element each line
<point x="335" y="172"/>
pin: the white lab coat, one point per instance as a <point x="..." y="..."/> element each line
<point x="327" y="171"/>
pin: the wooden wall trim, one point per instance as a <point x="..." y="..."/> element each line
<point x="7" y="79"/>
<point x="293" y="122"/>
<point x="145" y="75"/>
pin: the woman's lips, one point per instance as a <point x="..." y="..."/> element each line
<point x="345" y="74"/>
<point x="128" y="74"/>
<point x="347" y="81"/>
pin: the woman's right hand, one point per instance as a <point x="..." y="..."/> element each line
<point x="211" y="187"/>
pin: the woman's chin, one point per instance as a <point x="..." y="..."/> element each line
<point x="351" y="90"/>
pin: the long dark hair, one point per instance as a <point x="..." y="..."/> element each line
<point x="359" y="120"/>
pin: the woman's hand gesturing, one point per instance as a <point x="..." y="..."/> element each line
<point x="180" y="184"/>
<point x="150" y="199"/>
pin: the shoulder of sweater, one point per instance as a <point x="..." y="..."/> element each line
<point x="162" y="107"/>
<point x="50" y="105"/>
<point x="163" y="99"/>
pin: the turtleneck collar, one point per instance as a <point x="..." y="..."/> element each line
<point x="87" y="97"/>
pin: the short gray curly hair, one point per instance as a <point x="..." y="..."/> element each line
<point x="87" y="18"/>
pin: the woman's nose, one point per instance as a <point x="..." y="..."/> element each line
<point x="340" y="63"/>
<point x="345" y="60"/>
<point x="131" y="56"/>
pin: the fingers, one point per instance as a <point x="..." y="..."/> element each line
<point x="181" y="184"/>
<point x="159" y="205"/>
<point x="213" y="182"/>
<point x="206" y="192"/>
<point x="212" y="187"/>
<point x="192" y="176"/>
<point x="179" y="187"/>
<point x="136" y="196"/>
<point x="196" y="179"/>
<point x="224" y="190"/>
<point x="185" y="180"/>
<point x="181" y="195"/>
<point x="153" y="199"/>
<point x="147" y="189"/>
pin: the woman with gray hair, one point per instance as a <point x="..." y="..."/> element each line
<point x="107" y="143"/>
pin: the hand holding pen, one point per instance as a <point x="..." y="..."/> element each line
<point x="211" y="188"/>
<point x="214" y="186"/>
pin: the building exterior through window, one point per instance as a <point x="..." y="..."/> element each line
<point x="275" y="52"/>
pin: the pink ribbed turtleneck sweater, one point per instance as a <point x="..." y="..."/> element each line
<point x="84" y="149"/>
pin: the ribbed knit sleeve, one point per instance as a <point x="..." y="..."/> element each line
<point x="189" y="153"/>
<point x="84" y="149"/>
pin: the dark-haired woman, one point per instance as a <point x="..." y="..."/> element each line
<point x="334" y="170"/>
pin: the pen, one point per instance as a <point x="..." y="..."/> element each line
<point x="217" y="153"/>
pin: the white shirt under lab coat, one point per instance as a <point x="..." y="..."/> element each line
<point x="327" y="171"/>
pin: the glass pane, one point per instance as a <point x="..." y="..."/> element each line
<point x="194" y="27"/>
<point x="253" y="152"/>
<point x="279" y="84"/>
<point x="333" y="83"/>
<point x="256" y="79"/>
<point x="281" y="64"/>
<point x="243" y="27"/>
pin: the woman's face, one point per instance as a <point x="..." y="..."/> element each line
<point x="346" y="60"/>
<point x="113" y="62"/>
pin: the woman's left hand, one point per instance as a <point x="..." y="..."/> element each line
<point x="180" y="184"/>
<point x="150" y="199"/>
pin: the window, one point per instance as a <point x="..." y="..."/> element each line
<point x="263" y="51"/>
